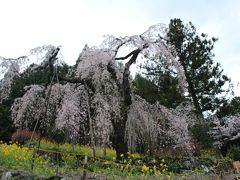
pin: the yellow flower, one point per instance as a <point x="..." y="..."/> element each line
<point x="139" y="161"/>
<point x="121" y="155"/>
<point x="106" y="162"/>
<point x="145" y="168"/>
<point x="163" y="160"/>
<point x="168" y="177"/>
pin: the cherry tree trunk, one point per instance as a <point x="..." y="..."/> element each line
<point x="120" y="144"/>
<point x="119" y="140"/>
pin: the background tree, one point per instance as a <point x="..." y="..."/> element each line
<point x="204" y="77"/>
<point x="146" y="89"/>
<point x="230" y="108"/>
<point x="200" y="134"/>
<point x="6" y="124"/>
<point x="19" y="73"/>
<point x="159" y="82"/>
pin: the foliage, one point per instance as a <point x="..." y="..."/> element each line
<point x="234" y="152"/>
<point x="16" y="156"/>
<point x="205" y="79"/>
<point x="11" y="67"/>
<point x="6" y="127"/>
<point x="17" y="76"/>
<point x="151" y="89"/>
<point x="77" y="149"/>
<point x="31" y="76"/>
<point x="26" y="79"/>
<point x="210" y="153"/>
<point x="200" y="133"/>
<point x="230" y="108"/>
<point x="146" y="89"/>
<point x="49" y="162"/>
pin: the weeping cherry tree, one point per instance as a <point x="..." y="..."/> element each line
<point x="99" y="91"/>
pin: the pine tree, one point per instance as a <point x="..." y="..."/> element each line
<point x="204" y="77"/>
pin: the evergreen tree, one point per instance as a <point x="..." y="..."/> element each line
<point x="161" y="87"/>
<point x="230" y="108"/>
<point x="30" y="76"/>
<point x="146" y="89"/>
<point x="204" y="77"/>
<point x="6" y="128"/>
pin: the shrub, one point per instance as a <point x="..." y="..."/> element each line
<point x="200" y="134"/>
<point x="210" y="153"/>
<point x="23" y="136"/>
<point x="234" y="152"/>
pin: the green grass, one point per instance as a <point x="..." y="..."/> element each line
<point x="48" y="161"/>
<point x="71" y="159"/>
<point x="77" y="149"/>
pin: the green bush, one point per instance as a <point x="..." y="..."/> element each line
<point x="199" y="132"/>
<point x="210" y="153"/>
<point x="234" y="153"/>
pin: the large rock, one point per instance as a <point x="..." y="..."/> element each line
<point x="16" y="174"/>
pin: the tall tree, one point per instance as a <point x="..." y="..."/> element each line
<point x="204" y="77"/>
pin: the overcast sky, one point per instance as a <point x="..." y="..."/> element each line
<point x="26" y="24"/>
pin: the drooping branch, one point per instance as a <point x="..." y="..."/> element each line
<point x="113" y="73"/>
